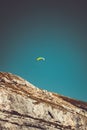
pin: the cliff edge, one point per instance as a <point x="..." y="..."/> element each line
<point x="26" y="107"/>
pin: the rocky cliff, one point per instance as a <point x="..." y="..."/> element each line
<point x="26" y="107"/>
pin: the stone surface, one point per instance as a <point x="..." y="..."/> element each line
<point x="26" y="107"/>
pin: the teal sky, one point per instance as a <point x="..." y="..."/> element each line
<point x="53" y="29"/>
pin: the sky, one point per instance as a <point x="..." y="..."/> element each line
<point x="53" y="29"/>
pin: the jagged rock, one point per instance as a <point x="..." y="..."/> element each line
<point x="26" y="107"/>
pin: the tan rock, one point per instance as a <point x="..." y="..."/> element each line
<point x="26" y="107"/>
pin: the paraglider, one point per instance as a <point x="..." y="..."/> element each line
<point x="40" y="58"/>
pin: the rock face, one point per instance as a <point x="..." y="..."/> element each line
<point x="25" y="107"/>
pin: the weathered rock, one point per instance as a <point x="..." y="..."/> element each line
<point x="25" y="107"/>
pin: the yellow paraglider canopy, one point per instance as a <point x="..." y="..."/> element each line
<point x="40" y="58"/>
